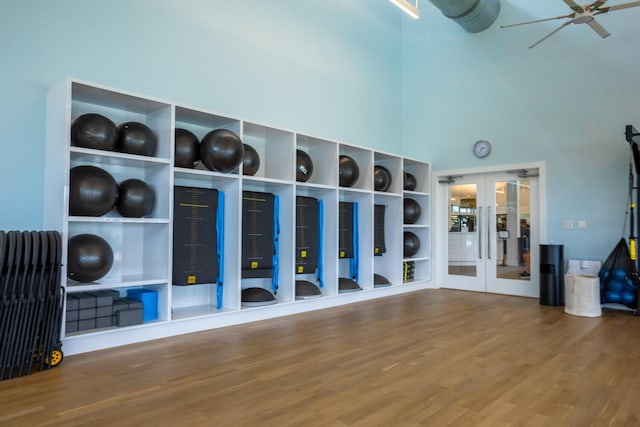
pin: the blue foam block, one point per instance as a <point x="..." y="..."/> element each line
<point x="149" y="300"/>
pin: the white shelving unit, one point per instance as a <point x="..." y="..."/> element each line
<point x="422" y="261"/>
<point x="143" y="246"/>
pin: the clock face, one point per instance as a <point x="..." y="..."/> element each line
<point x="481" y="149"/>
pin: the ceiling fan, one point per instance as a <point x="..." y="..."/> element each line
<point x="581" y="15"/>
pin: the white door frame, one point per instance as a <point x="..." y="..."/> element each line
<point x="440" y="259"/>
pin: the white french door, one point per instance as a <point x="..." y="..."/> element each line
<point x="491" y="223"/>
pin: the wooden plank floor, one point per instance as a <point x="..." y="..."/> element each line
<point x="429" y="358"/>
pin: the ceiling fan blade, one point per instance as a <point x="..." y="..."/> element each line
<point x="596" y="4"/>
<point x="572" y="15"/>
<point x="616" y="7"/>
<point x="598" y="28"/>
<point x="574" y="6"/>
<point x="550" y="34"/>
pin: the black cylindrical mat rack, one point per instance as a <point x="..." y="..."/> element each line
<point x="31" y="301"/>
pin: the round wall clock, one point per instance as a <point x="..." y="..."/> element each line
<point x="481" y="149"/>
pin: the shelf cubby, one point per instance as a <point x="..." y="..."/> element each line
<point x="275" y="149"/>
<point x="394" y="165"/>
<point x="364" y="160"/>
<point x="324" y="155"/>
<point x="387" y="263"/>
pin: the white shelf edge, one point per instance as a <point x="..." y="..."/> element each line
<point x="118" y="285"/>
<point x="117" y="220"/>
<point x="73" y="150"/>
<point x="416" y="193"/>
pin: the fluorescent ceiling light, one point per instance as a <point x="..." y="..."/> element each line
<point x="408" y="8"/>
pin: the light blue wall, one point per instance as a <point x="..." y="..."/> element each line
<point x="566" y="103"/>
<point x="333" y="68"/>
<point x="326" y="68"/>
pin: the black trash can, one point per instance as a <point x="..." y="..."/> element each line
<point x="551" y="275"/>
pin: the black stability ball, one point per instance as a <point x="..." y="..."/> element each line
<point x="89" y="258"/>
<point x="412" y="211"/>
<point x="250" y="160"/>
<point x="411" y="244"/>
<point x="94" y="131"/>
<point x="410" y="182"/>
<point x="304" y="166"/>
<point x="136" y="198"/>
<point x="187" y="151"/>
<point x="92" y="191"/>
<point x="221" y="150"/>
<point x="136" y="138"/>
<point x="348" y="171"/>
<point x="381" y="178"/>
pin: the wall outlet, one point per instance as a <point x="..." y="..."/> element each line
<point x="582" y="225"/>
<point x="567" y="224"/>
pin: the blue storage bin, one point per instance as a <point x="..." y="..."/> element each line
<point x="149" y="300"/>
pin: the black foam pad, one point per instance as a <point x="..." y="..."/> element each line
<point x="195" y="252"/>
<point x="345" y="232"/>
<point x="257" y="234"/>
<point x="306" y="234"/>
<point x="379" y="247"/>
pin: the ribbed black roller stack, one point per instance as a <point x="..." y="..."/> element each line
<point x="31" y="302"/>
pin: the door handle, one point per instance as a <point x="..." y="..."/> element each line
<point x="488" y="232"/>
<point x="479" y="232"/>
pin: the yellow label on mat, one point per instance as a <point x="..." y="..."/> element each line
<point x="191" y="280"/>
<point x="341" y="254"/>
<point x="376" y="250"/>
<point x="303" y="254"/>
<point x="300" y="269"/>
<point x="254" y="264"/>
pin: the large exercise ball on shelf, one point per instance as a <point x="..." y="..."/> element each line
<point x="348" y="171"/>
<point x="381" y="178"/>
<point x="136" y="138"/>
<point x="411" y="244"/>
<point x="95" y="131"/>
<point x="89" y="258"/>
<point x="410" y="182"/>
<point x="304" y="166"/>
<point x="187" y="150"/>
<point x="412" y="211"/>
<point x="221" y="150"/>
<point x="250" y="160"/>
<point x="92" y="191"/>
<point x="136" y="198"/>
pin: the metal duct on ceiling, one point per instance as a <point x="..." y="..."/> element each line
<point x="472" y="15"/>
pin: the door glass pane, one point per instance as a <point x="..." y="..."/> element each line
<point x="513" y="213"/>
<point x="462" y="230"/>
